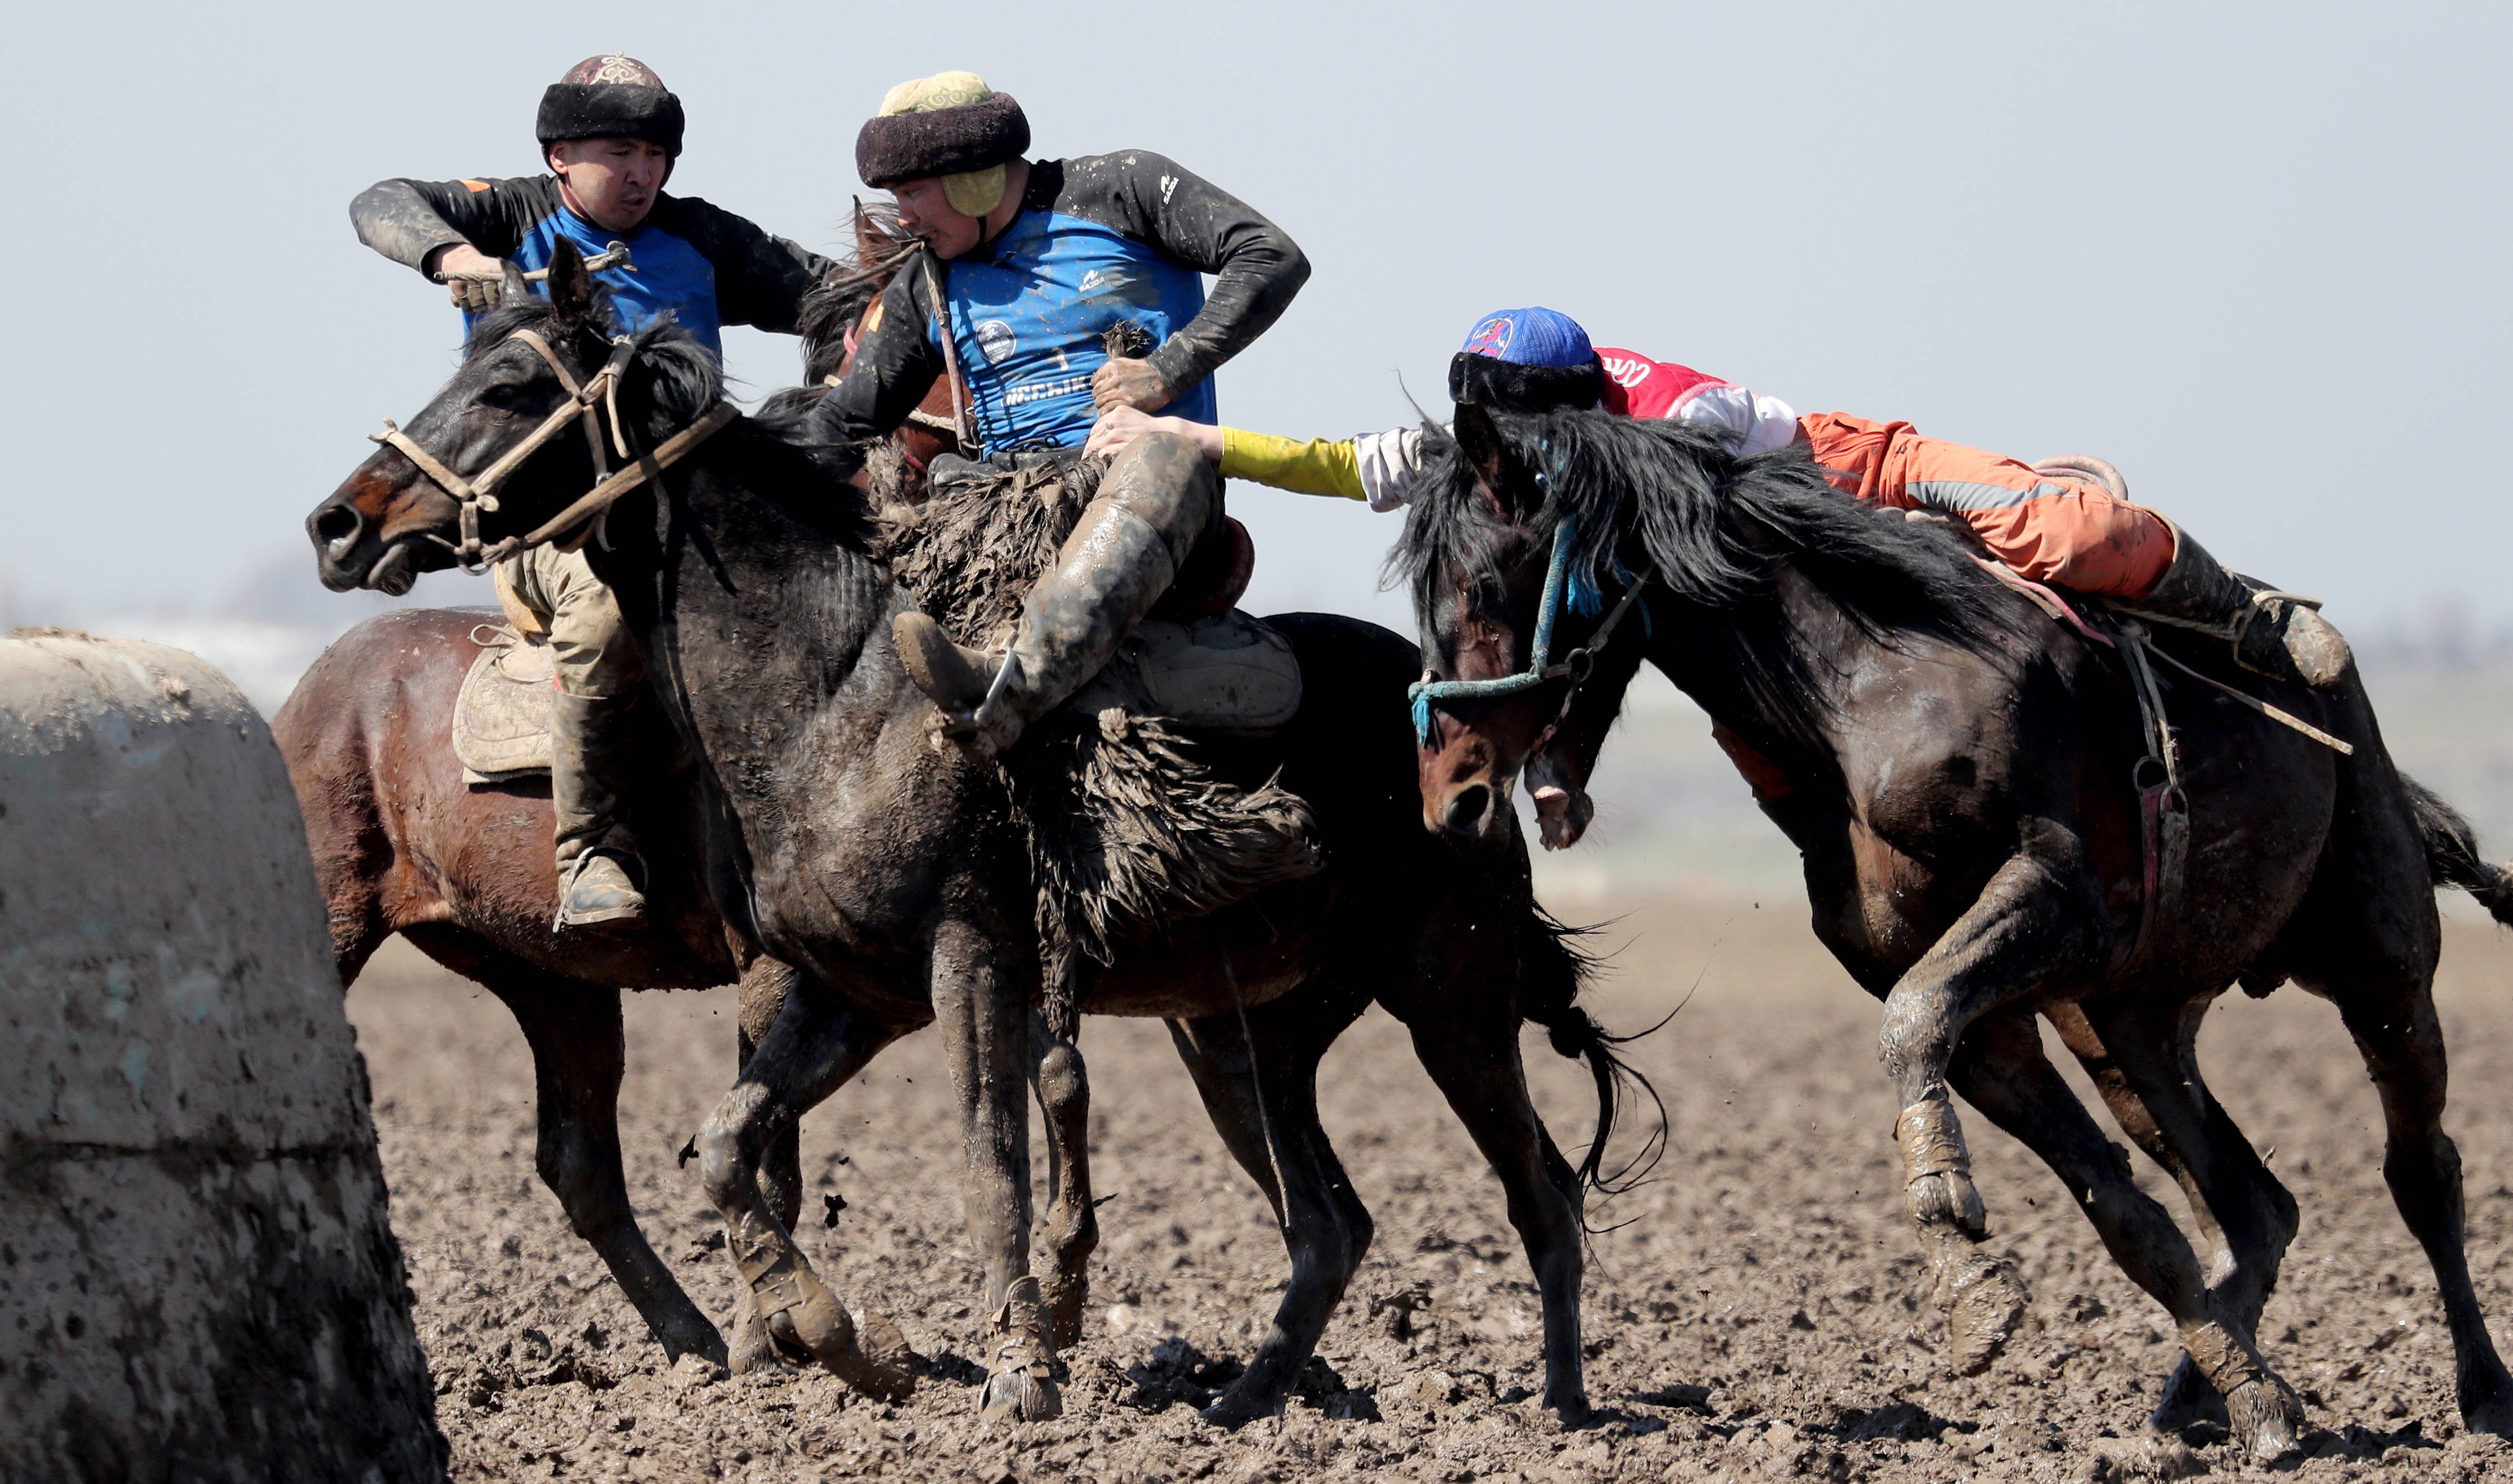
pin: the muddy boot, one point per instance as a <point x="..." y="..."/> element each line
<point x="2273" y="633"/>
<point x="598" y="869"/>
<point x="1154" y="504"/>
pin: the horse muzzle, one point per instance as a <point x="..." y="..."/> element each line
<point x="1562" y="812"/>
<point x="1471" y="805"/>
<point x="349" y="554"/>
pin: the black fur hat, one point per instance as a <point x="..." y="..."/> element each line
<point x="941" y="141"/>
<point x="1476" y="379"/>
<point x="610" y="98"/>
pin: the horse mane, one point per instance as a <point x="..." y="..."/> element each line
<point x="1719" y="528"/>
<point x="847" y="291"/>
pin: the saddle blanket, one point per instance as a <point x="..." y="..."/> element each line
<point x="502" y="719"/>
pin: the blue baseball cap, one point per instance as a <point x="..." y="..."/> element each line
<point x="1531" y="337"/>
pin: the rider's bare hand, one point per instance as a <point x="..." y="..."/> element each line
<point x="472" y="275"/>
<point x="1128" y="383"/>
<point x="1121" y="425"/>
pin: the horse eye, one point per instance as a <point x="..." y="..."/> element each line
<point x="501" y="396"/>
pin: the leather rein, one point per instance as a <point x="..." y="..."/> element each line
<point x="587" y="403"/>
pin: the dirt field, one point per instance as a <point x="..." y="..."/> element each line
<point x="1760" y="1314"/>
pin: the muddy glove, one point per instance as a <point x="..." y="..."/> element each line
<point x="475" y="278"/>
<point x="477" y="294"/>
<point x="1128" y="383"/>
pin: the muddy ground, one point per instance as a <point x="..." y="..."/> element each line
<point x="1760" y="1313"/>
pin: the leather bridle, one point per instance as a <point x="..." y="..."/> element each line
<point x="588" y="403"/>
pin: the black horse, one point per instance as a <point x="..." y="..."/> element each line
<point x="1957" y="768"/>
<point x="891" y="875"/>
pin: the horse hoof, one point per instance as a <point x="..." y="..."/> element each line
<point x="821" y="1326"/>
<point x="2188" y="1400"/>
<point x="1987" y="1305"/>
<point x="2265" y="1415"/>
<point x="2485" y="1392"/>
<point x="1232" y="1411"/>
<point x="1572" y="1412"/>
<point x="1022" y="1395"/>
<point x="753" y="1348"/>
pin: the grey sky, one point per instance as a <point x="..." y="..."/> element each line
<point x="2253" y="254"/>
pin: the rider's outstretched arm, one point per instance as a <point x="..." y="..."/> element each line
<point x="1378" y="467"/>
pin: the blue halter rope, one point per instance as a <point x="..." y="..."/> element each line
<point x="1584" y="599"/>
<point x="1426" y="691"/>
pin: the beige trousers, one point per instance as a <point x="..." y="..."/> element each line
<point x="553" y="594"/>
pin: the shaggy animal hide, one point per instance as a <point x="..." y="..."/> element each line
<point x="1129" y="831"/>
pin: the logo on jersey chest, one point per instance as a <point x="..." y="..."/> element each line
<point x="995" y="341"/>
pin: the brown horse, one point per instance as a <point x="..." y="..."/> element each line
<point x="1958" y="771"/>
<point x="881" y="822"/>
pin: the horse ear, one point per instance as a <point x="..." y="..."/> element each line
<point x="1503" y="475"/>
<point x="512" y="286"/>
<point x="570" y="288"/>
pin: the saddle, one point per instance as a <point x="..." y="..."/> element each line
<point x="501" y="717"/>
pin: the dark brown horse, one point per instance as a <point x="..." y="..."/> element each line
<point x="402" y="845"/>
<point x="1958" y="771"/>
<point x="891" y="877"/>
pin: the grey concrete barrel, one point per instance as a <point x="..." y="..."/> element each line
<point x="197" y="1280"/>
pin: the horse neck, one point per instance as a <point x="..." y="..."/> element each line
<point x="1715" y="655"/>
<point x="748" y="610"/>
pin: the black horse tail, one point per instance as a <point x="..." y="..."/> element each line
<point x="2452" y="852"/>
<point x="1554" y="970"/>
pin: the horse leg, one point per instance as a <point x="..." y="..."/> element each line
<point x="1260" y="1088"/>
<point x="817" y="1041"/>
<point x="2142" y="1054"/>
<point x="2392" y="1018"/>
<point x="2040" y="916"/>
<point x="982" y="1002"/>
<point x="1058" y="1080"/>
<point x="2001" y="1070"/>
<point x="1474" y="1058"/>
<point x="579" y="1054"/>
<point x="765" y="986"/>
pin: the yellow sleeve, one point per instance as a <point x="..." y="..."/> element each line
<point x="1315" y="468"/>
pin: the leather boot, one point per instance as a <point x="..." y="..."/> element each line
<point x="1155" y="503"/>
<point x="598" y="869"/>
<point x="2272" y="634"/>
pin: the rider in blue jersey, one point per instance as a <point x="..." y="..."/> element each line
<point x="610" y="131"/>
<point x="1032" y="264"/>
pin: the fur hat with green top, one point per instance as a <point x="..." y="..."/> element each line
<point x="951" y="126"/>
